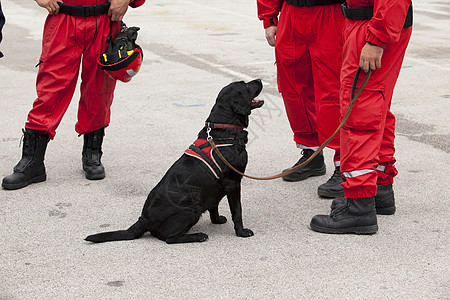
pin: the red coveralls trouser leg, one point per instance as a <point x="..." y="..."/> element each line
<point x="67" y="43"/>
<point x="307" y="49"/>
<point x="367" y="139"/>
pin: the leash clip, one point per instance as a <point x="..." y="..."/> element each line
<point x="208" y="130"/>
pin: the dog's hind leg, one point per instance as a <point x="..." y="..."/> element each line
<point x="188" y="238"/>
<point x="215" y="217"/>
<point x="176" y="227"/>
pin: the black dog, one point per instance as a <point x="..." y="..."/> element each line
<point x="198" y="180"/>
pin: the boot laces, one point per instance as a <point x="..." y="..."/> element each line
<point x="336" y="177"/>
<point x="305" y="155"/>
<point x="29" y="142"/>
<point x="22" y="137"/>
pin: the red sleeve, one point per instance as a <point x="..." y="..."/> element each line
<point x="136" y="3"/>
<point x="268" y="11"/>
<point x="387" y="23"/>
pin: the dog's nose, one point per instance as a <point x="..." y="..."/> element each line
<point x="256" y="81"/>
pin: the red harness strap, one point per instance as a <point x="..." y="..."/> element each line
<point x="203" y="151"/>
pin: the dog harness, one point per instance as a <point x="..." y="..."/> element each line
<point x="203" y="151"/>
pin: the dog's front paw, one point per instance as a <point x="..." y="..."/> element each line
<point x="219" y="220"/>
<point x="244" y="232"/>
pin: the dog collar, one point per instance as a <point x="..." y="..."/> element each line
<point x="218" y="125"/>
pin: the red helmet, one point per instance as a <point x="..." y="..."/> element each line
<point x="124" y="57"/>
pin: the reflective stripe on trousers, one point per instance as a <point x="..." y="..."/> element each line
<point x="356" y="173"/>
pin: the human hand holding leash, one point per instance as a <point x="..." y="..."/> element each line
<point x="271" y="32"/>
<point x="370" y="57"/>
<point x="118" y="9"/>
<point x="50" y="5"/>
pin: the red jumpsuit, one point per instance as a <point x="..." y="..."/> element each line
<point x="308" y="55"/>
<point x="367" y="139"/>
<point x="68" y="42"/>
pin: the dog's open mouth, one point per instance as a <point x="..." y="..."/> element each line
<point x="256" y="103"/>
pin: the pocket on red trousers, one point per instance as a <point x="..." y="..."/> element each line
<point x="367" y="112"/>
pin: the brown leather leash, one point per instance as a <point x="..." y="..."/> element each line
<point x="353" y="98"/>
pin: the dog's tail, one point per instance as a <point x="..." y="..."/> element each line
<point x="134" y="232"/>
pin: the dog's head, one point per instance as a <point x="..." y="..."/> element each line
<point x="235" y="102"/>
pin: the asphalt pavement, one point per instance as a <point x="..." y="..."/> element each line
<point x="192" y="49"/>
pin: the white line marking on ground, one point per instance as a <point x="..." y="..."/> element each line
<point x="222" y="68"/>
<point x="221" y="10"/>
<point x="425" y="10"/>
<point x="427" y="63"/>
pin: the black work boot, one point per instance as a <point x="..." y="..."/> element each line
<point x="384" y="200"/>
<point x="92" y="154"/>
<point x="316" y="167"/>
<point x="332" y="188"/>
<point x="348" y="216"/>
<point x="30" y="168"/>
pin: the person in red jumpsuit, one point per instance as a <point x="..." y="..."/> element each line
<point x="75" y="34"/>
<point x="376" y="34"/>
<point x="308" y="44"/>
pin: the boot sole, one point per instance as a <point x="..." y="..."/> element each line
<point x="95" y="177"/>
<point x="356" y="230"/>
<point x="17" y="186"/>
<point x="385" y="210"/>
<point x="329" y="194"/>
<point x="293" y="177"/>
